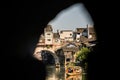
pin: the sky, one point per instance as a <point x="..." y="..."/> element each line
<point x="75" y="16"/>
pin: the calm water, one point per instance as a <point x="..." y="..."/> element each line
<point x="59" y="74"/>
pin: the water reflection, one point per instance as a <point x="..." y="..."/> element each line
<point x="59" y="74"/>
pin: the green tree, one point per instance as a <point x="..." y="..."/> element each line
<point x="82" y="54"/>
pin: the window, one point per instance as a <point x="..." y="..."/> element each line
<point x="68" y="59"/>
<point x="48" y="33"/>
<point x="48" y="39"/>
<point x="70" y="34"/>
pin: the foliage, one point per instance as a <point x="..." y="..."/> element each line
<point x="82" y="54"/>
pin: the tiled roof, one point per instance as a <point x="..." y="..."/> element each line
<point x="70" y="47"/>
<point x="66" y="31"/>
<point x="80" y="30"/>
<point x="83" y="39"/>
<point x="48" y="28"/>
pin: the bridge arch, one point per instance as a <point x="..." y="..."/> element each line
<point x="68" y="47"/>
<point x="53" y="54"/>
<point x="38" y="54"/>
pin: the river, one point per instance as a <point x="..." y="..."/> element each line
<point x="59" y="74"/>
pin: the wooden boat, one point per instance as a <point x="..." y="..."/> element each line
<point x="74" y="77"/>
<point x="71" y="71"/>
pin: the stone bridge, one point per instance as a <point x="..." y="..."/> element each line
<point x="68" y="47"/>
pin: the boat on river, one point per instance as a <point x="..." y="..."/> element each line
<point x="74" y="70"/>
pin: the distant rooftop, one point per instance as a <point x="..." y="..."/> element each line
<point x="80" y="30"/>
<point x="48" y="28"/>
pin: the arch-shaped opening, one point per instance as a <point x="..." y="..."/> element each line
<point x="49" y="57"/>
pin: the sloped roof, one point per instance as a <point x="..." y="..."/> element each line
<point x="70" y="47"/>
<point x="80" y="30"/>
<point x="66" y="31"/>
<point x="48" y="28"/>
<point x="83" y="39"/>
